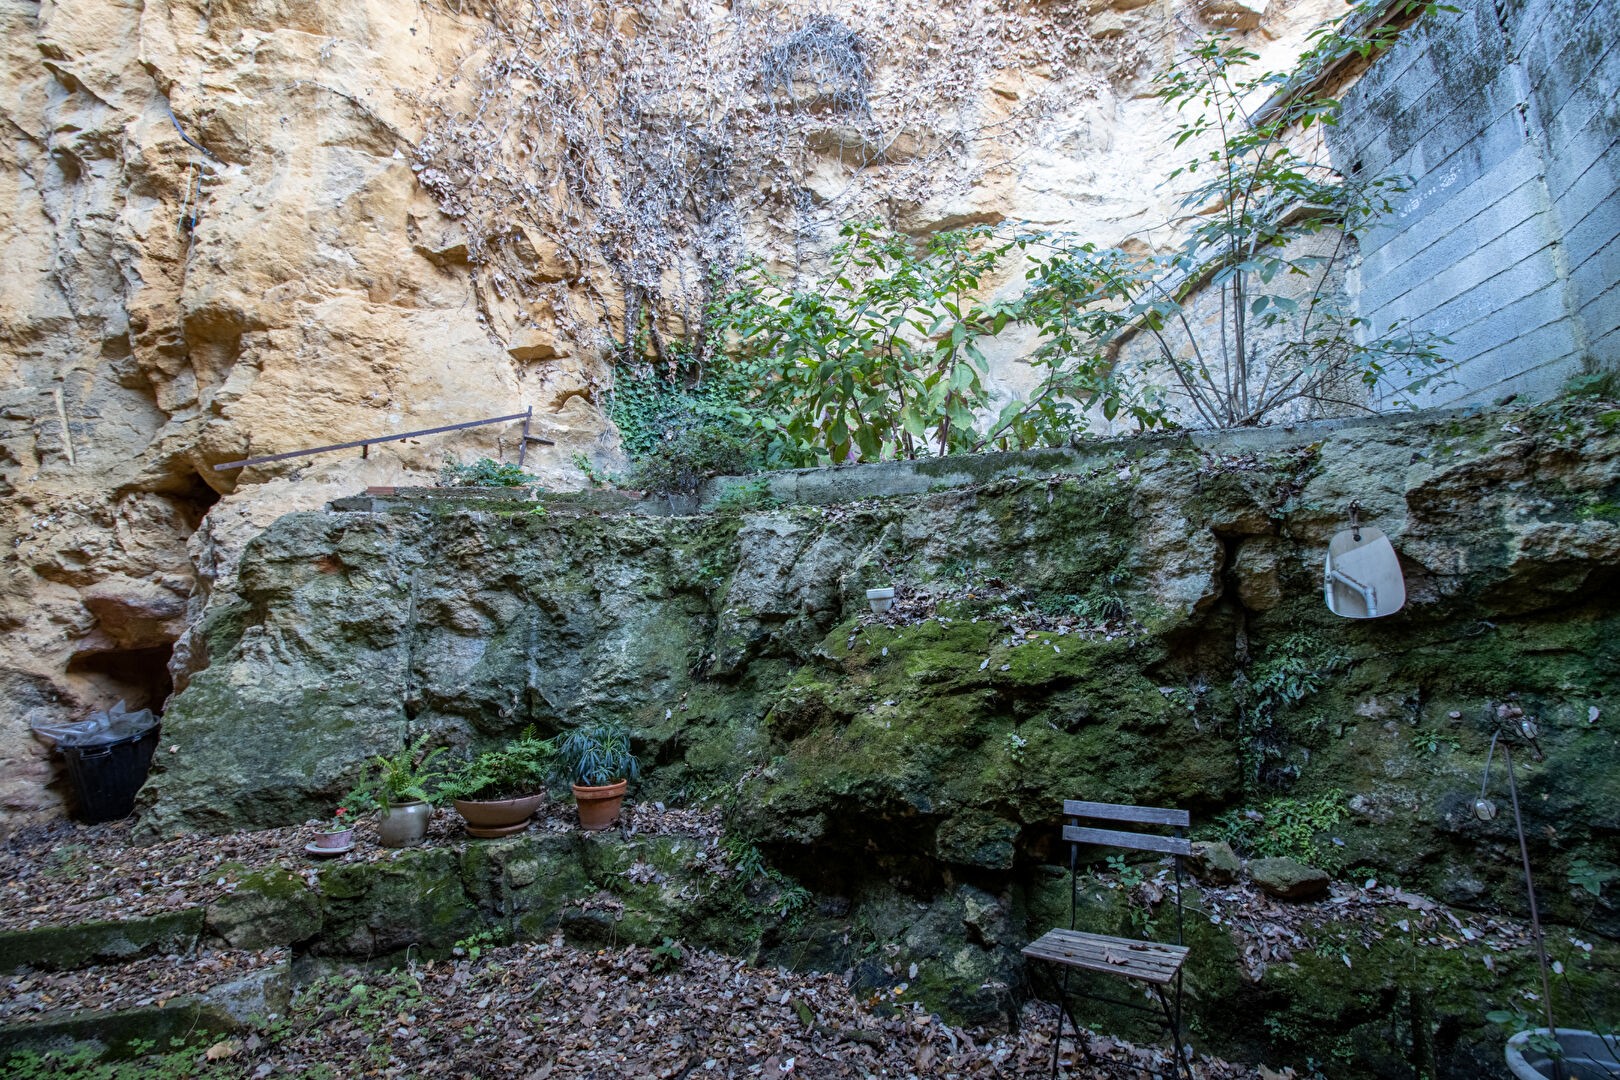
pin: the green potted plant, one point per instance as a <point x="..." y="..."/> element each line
<point x="402" y="788"/>
<point x="597" y="759"/>
<point x="499" y="790"/>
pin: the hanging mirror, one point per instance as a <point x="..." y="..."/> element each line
<point x="1362" y="578"/>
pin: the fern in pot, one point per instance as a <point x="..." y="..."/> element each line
<point x="497" y="791"/>
<point x="403" y="786"/>
<point x="598" y="761"/>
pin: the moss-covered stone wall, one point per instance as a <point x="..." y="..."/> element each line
<point x="1135" y="621"/>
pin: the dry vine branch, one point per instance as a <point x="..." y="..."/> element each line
<point x="619" y="157"/>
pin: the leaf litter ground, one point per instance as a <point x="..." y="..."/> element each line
<point x="547" y="1010"/>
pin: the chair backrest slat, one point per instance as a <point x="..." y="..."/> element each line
<point x="1169" y="845"/>
<point x="1144" y="815"/>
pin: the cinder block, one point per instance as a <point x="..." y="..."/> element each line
<point x="1605" y="350"/>
<point x="1565" y="51"/>
<point x="1410" y="61"/>
<point x="1525" y="241"/>
<point x="1507" y="286"/>
<point x="1593" y="191"/>
<point x="1593" y="187"/>
<point x="1543" y="379"/>
<point x="1432" y="192"/>
<point x="1601" y="315"/>
<point x="1528" y="201"/>
<point x="1419" y="264"/>
<point x="1489" y="326"/>
<point x="1420" y="233"/>
<point x="1598" y="233"/>
<point x="1556" y="85"/>
<point x="1505" y="271"/>
<point x="1470" y="215"/>
<point x="1552" y="344"/>
<point x="1488" y="143"/>
<point x="1575" y="153"/>
<point x="1476" y="323"/>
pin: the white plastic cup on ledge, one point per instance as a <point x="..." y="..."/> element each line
<point x="880" y="599"/>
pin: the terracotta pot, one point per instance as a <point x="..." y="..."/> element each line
<point x="403" y="824"/>
<point x="337" y="839"/>
<point x="599" y="806"/>
<point x="497" y="817"/>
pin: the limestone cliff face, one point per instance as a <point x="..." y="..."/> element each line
<point x="207" y="214"/>
<point x="217" y="246"/>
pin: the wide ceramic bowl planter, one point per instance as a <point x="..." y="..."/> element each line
<point x="599" y="806"/>
<point x="404" y="824"/>
<point x="1587" y="1055"/>
<point x="880" y="599"/>
<point x="488" y="818"/>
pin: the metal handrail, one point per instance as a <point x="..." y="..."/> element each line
<point x="525" y="416"/>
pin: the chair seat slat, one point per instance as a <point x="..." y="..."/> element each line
<point x="1169" y="845"/>
<point x="1146" y="961"/>
<point x="1141" y="815"/>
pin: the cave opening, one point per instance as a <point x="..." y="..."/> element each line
<point x="139" y="677"/>
<point x="197" y="497"/>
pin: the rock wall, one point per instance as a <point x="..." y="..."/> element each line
<point x="222" y="245"/>
<point x="1103" y="607"/>
<point x="1141" y="621"/>
<point x="218" y="247"/>
<point x="208" y="211"/>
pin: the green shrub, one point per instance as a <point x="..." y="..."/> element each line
<point x="683" y="423"/>
<point x="748" y="495"/>
<point x="484" y="473"/>
<point x="410" y="775"/>
<point x="879" y="357"/>
<point x="517" y="769"/>
<point x="1284" y="827"/>
<point x="690" y="456"/>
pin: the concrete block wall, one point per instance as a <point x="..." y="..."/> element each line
<point x="1506" y="117"/>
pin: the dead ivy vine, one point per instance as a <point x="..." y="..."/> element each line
<point x="612" y="161"/>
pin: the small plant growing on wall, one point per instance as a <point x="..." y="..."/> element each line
<point x="484" y="472"/>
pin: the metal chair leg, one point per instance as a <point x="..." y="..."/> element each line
<point x="1173" y="1022"/>
<point x="1063" y="1007"/>
<point x="1180" y="1050"/>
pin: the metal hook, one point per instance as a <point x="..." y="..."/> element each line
<point x="1355" y="520"/>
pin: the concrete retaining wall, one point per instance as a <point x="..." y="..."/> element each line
<point x="1505" y="115"/>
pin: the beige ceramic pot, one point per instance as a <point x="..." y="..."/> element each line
<point x="404" y="824"/>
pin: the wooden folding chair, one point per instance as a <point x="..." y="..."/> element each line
<point x="1156" y="965"/>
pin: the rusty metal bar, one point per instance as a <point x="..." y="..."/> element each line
<point x="523" y="443"/>
<point x="524" y="416"/>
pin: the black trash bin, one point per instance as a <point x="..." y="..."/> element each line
<point x="107" y="757"/>
<point x="106" y="776"/>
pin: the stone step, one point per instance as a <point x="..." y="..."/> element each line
<point x="58" y="948"/>
<point x="596" y="887"/>
<point x="117" y="1011"/>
